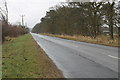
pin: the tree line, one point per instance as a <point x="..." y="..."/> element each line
<point x="77" y="18"/>
<point x="7" y="28"/>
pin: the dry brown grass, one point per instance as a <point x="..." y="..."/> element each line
<point x="101" y="39"/>
<point x="7" y="38"/>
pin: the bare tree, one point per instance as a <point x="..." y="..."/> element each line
<point x="4" y="19"/>
<point x="4" y="12"/>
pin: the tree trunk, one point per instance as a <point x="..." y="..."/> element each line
<point x="111" y="27"/>
<point x="94" y="25"/>
<point x="119" y="32"/>
<point x="111" y="20"/>
<point x="111" y="32"/>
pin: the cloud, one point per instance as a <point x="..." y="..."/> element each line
<point x="33" y="10"/>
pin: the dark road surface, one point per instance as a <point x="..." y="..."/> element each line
<point x="79" y="59"/>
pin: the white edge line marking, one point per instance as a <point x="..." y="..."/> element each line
<point x="113" y="57"/>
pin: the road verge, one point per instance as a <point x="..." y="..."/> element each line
<point x="102" y="39"/>
<point x="23" y="58"/>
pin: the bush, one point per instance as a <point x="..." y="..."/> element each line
<point x="12" y="30"/>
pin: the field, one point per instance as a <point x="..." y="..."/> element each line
<point x="23" y="58"/>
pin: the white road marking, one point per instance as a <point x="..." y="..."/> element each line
<point x="76" y="46"/>
<point x="113" y="57"/>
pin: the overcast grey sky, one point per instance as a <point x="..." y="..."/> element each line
<point x="32" y="9"/>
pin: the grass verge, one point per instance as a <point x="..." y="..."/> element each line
<point x="23" y="58"/>
<point x="102" y="39"/>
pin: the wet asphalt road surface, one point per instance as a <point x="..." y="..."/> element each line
<point x="79" y="59"/>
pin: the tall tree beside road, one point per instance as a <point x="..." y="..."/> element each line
<point x="110" y="10"/>
<point x="93" y="16"/>
<point x="77" y="18"/>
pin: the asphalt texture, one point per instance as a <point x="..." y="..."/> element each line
<point x="79" y="59"/>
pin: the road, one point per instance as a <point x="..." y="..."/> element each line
<point x="78" y="59"/>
